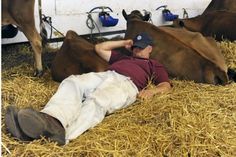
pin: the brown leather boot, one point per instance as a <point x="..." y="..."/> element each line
<point x="36" y="124"/>
<point x="12" y="124"/>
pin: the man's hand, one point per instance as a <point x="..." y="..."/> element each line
<point x="128" y="44"/>
<point x="160" y="88"/>
<point x="146" y="93"/>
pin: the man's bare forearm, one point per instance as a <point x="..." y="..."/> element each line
<point x="104" y="49"/>
<point x="160" y="88"/>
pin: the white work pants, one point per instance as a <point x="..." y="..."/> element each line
<point x="82" y="101"/>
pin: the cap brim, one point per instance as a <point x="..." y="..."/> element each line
<point x="140" y="45"/>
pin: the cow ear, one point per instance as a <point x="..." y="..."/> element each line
<point x="124" y="14"/>
<point x="181" y="23"/>
<point x="146" y="17"/>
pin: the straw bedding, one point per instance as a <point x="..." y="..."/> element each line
<point x="191" y="120"/>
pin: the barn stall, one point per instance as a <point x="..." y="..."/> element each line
<point x="191" y="120"/>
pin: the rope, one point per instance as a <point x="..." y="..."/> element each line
<point x="185" y="13"/>
<point x="91" y="24"/>
<point x="48" y="20"/>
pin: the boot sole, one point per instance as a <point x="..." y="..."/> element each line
<point x="34" y="126"/>
<point x="12" y="124"/>
<point x="31" y="123"/>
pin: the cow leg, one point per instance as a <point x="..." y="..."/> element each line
<point x="36" y="43"/>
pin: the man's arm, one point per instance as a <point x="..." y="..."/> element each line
<point x="160" y="88"/>
<point x="104" y="49"/>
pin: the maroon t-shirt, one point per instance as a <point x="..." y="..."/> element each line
<point x="140" y="70"/>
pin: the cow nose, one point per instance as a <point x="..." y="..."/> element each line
<point x="218" y="81"/>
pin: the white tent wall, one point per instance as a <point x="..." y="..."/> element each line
<point x="72" y="14"/>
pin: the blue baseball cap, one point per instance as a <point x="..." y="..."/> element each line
<point x="142" y="40"/>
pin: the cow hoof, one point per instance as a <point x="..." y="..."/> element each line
<point x="38" y="73"/>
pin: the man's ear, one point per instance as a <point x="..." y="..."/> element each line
<point x="149" y="48"/>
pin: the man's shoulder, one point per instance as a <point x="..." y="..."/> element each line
<point x="116" y="56"/>
<point x="155" y="62"/>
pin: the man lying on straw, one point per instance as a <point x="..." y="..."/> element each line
<point x="82" y="101"/>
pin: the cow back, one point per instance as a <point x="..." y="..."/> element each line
<point x="205" y="47"/>
<point x="218" y="24"/>
<point x="229" y="5"/>
<point x="76" y="56"/>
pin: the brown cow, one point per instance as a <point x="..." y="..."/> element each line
<point x="21" y="14"/>
<point x="191" y="57"/>
<point x="218" y="24"/>
<point x="186" y="55"/>
<point x="227" y="5"/>
<point x="76" y="56"/>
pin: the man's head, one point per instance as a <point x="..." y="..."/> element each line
<point x="142" y="45"/>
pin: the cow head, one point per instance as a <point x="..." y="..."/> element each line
<point x="135" y="14"/>
<point x="76" y="56"/>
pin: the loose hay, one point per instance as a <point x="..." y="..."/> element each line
<point x="191" y="120"/>
<point x="228" y="50"/>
